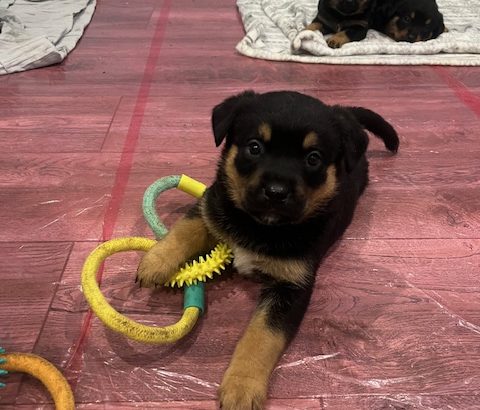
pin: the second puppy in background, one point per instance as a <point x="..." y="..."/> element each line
<point x="347" y="20"/>
<point x="408" y="20"/>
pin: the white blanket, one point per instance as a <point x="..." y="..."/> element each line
<point x="36" y="33"/>
<point x="274" y="31"/>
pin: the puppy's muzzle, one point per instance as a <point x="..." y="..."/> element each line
<point x="276" y="192"/>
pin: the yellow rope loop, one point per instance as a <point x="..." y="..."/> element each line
<point x="115" y="320"/>
<point x="191" y="274"/>
<point x="44" y="371"/>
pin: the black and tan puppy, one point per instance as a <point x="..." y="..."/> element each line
<point x="290" y="174"/>
<point x="347" y="20"/>
<point x="408" y="20"/>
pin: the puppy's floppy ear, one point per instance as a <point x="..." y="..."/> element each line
<point x="224" y="114"/>
<point x="354" y="138"/>
<point x="439" y="27"/>
<point x="387" y="8"/>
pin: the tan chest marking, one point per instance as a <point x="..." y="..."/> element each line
<point x="290" y="270"/>
<point x="246" y="262"/>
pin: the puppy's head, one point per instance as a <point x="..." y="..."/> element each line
<point x="349" y="7"/>
<point x="414" y="20"/>
<point x="283" y="155"/>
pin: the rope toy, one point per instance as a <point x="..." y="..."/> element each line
<point x="196" y="271"/>
<point x="42" y="370"/>
<point x="193" y="275"/>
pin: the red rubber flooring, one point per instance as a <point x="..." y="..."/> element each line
<point x="395" y="318"/>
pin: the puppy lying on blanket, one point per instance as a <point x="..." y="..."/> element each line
<point x="402" y="20"/>
<point x="289" y="177"/>
<point x="348" y="20"/>
<point x="408" y="20"/>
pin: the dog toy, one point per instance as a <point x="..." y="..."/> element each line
<point x="205" y="267"/>
<point x="42" y="370"/>
<point x="193" y="274"/>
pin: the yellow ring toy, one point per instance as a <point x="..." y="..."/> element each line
<point x="193" y="274"/>
<point x="115" y="320"/>
<point x="44" y="371"/>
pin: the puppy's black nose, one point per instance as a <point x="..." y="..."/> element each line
<point x="411" y="37"/>
<point x="277" y="192"/>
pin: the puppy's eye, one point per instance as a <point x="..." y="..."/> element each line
<point x="314" y="159"/>
<point x="255" y="148"/>
<point x="407" y="19"/>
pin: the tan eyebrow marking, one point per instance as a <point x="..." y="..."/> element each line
<point x="265" y="131"/>
<point x="310" y="140"/>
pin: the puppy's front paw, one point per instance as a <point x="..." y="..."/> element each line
<point x="242" y="393"/>
<point x="156" y="267"/>
<point x="338" y="40"/>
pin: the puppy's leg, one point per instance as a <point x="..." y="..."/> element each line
<point x="276" y="319"/>
<point x="308" y="33"/>
<point x="350" y="34"/>
<point x="188" y="238"/>
<point x="317" y="25"/>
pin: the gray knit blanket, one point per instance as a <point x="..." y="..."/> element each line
<point x="274" y="30"/>
<point x="37" y="33"/>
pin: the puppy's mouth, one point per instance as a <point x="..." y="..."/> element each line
<point x="270" y="219"/>
<point x="273" y="216"/>
<point x="274" y="208"/>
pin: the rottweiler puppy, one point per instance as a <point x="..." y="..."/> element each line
<point x="287" y="183"/>
<point x="408" y="20"/>
<point x="347" y="20"/>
